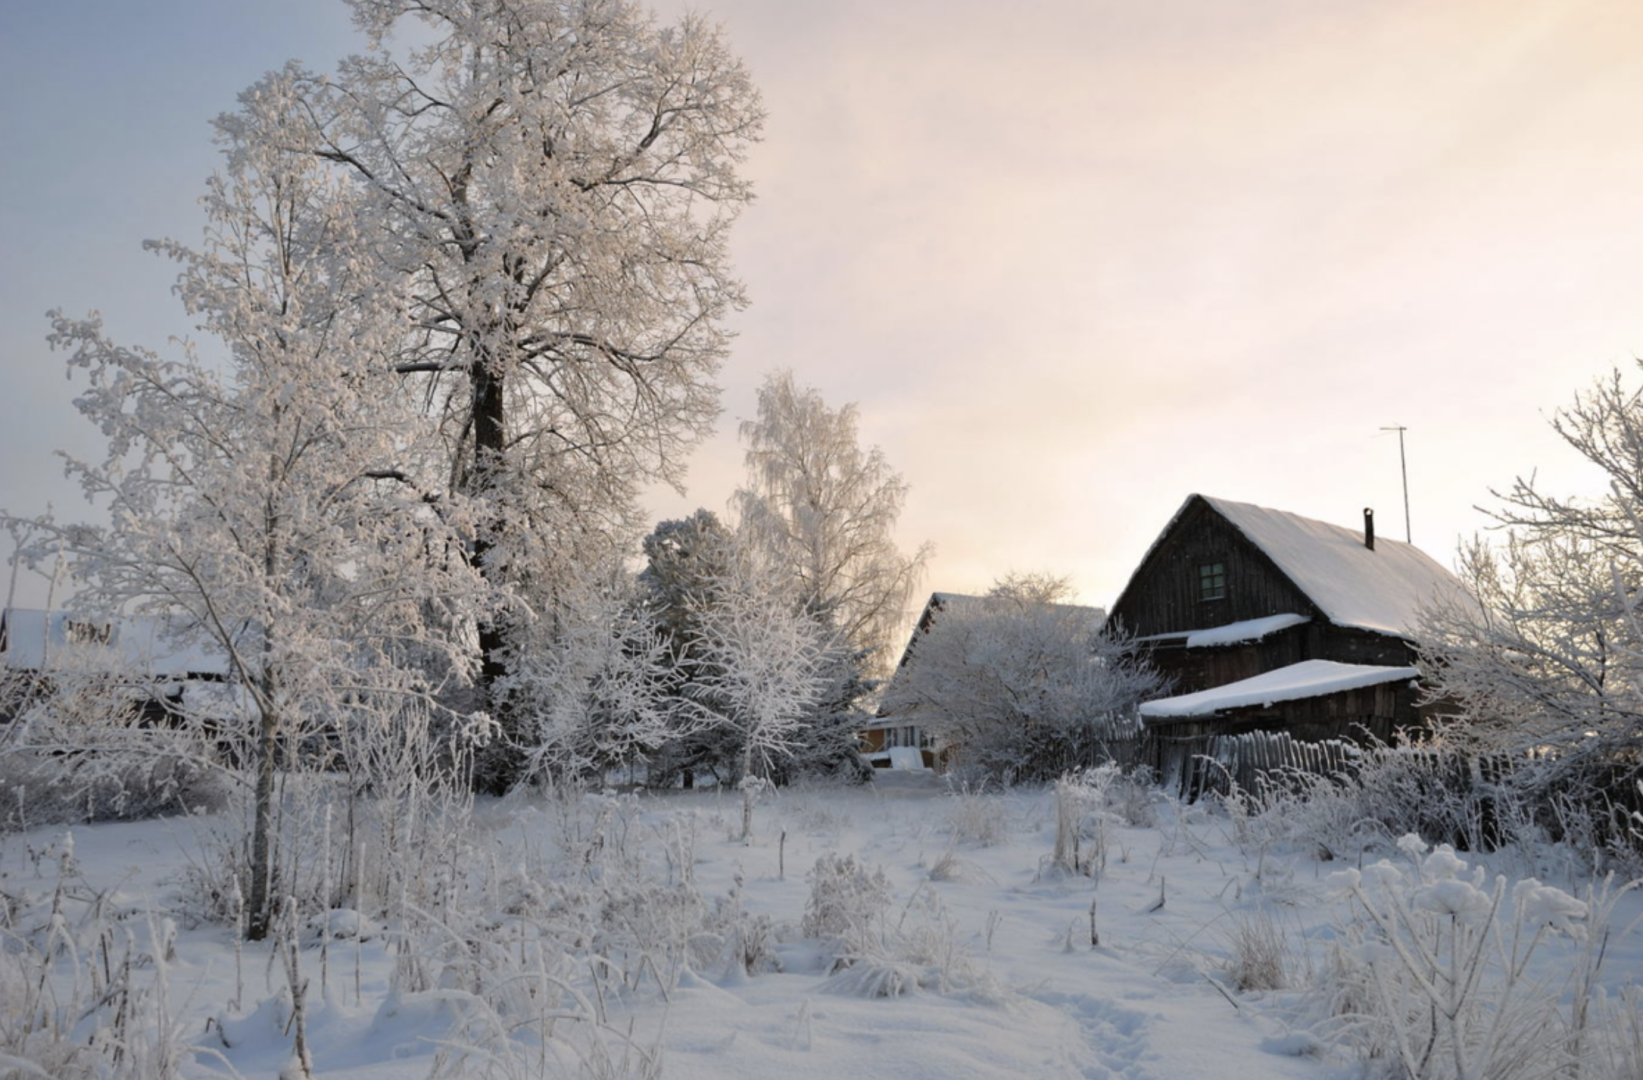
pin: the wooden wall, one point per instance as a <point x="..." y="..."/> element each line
<point x="1163" y="595"/>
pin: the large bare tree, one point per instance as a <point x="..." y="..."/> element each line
<point x="549" y="186"/>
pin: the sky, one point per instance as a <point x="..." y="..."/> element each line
<point x="1072" y="259"/>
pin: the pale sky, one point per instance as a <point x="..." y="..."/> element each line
<point x="1073" y="259"/>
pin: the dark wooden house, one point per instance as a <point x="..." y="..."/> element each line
<point x="1269" y="621"/>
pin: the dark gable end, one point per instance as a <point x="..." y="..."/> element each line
<point x="1171" y="592"/>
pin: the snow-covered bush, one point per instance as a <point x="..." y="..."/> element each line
<point x="1547" y="663"/>
<point x="41" y="788"/>
<point x="1022" y="685"/>
<point x="1429" y="786"/>
<point x="1433" y="975"/>
<point x="1259" y="956"/>
<point x="847" y="904"/>
<point x="919" y="950"/>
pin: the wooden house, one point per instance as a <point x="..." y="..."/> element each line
<point x="1269" y="621"/>
<point x="152" y="660"/>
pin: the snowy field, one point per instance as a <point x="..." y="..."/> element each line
<point x="897" y="930"/>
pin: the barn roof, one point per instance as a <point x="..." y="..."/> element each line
<point x="1307" y="679"/>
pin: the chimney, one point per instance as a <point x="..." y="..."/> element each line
<point x="1369" y="528"/>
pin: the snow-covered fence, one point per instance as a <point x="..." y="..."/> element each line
<point x="1193" y="765"/>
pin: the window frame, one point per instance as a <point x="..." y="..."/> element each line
<point x="1212" y="581"/>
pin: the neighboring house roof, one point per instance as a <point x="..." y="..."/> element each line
<point x="1381" y="590"/>
<point x="1307" y="679"/>
<point x="33" y="640"/>
<point x="961" y="602"/>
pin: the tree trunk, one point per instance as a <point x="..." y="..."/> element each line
<point x="503" y="763"/>
<point x="259" y="906"/>
<point x="747" y="793"/>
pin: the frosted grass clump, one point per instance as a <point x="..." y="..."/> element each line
<point x="1433" y="978"/>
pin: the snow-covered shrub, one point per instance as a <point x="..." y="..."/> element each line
<point x="1091" y="802"/>
<point x="919" y="951"/>
<point x="1081" y="819"/>
<point x="1430" y="786"/>
<point x="949" y="867"/>
<point x="39" y="788"/>
<point x="1021" y="684"/>
<point x="1432" y="978"/>
<point x="847" y="903"/>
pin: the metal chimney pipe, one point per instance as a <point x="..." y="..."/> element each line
<point x="1369" y="528"/>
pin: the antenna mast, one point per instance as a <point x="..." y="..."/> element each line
<point x="1403" y="464"/>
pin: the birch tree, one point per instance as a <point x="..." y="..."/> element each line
<point x="825" y="510"/>
<point x="552" y="183"/>
<point x="258" y="486"/>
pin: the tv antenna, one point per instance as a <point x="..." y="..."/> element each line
<point x="1403" y="464"/>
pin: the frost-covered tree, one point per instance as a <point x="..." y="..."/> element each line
<point x="686" y="559"/>
<point x="549" y="186"/>
<point x="763" y="668"/>
<point x="258" y="488"/>
<point x="825" y="510"/>
<point x="1021" y="684"/>
<point x="1548" y="658"/>
<point x="593" y="680"/>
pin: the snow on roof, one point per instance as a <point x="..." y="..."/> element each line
<point x="948" y="601"/>
<point x="1232" y="633"/>
<point x="1309" y="678"/>
<point x="1381" y="590"/>
<point x="39" y="640"/>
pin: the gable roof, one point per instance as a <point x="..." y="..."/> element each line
<point x="1381" y="590"/>
<point x="966" y="603"/>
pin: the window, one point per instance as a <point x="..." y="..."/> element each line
<point x="1212" y="581"/>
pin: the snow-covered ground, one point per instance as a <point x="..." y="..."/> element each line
<point x="989" y="942"/>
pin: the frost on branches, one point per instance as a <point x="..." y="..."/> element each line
<point x="762" y="669"/>
<point x="825" y="511"/>
<point x="265" y="497"/>
<point x="1548" y="663"/>
<point x="1022" y="685"/>
<point x="591" y="682"/>
<point x="550" y="185"/>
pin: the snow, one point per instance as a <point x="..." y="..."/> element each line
<point x="1309" y="678"/>
<point x="1381" y="590"/>
<point x="36" y="640"/>
<point x="1153" y="1001"/>
<point x="1232" y="633"/>
<point x="906" y="757"/>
